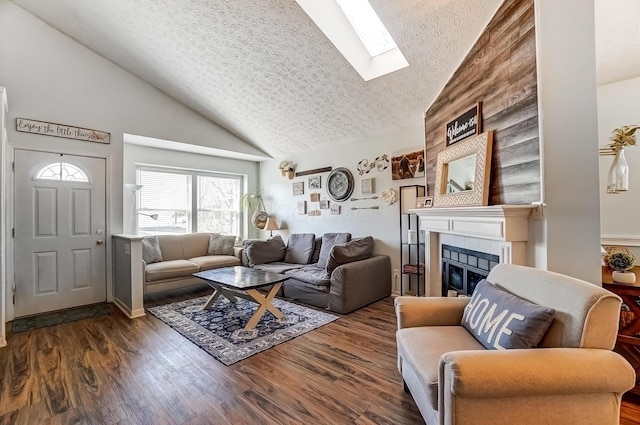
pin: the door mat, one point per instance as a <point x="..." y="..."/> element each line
<point x="30" y="323"/>
<point x="220" y="330"/>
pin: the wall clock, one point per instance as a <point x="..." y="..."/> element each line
<point x="340" y="184"/>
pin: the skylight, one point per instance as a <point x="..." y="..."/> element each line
<point x="368" y="26"/>
<point x="356" y="31"/>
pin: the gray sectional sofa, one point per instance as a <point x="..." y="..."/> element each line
<point x="333" y="272"/>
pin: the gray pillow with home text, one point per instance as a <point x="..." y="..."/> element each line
<point x="500" y="320"/>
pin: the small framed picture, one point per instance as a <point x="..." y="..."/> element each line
<point x="335" y="209"/>
<point x="366" y="186"/>
<point x="314" y="182"/>
<point x="314" y="213"/>
<point x="302" y="207"/>
<point x="314" y="197"/>
<point x="424" y="201"/>
<point x="324" y="204"/>
<point x="298" y="188"/>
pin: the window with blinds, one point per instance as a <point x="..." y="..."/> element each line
<point x="183" y="201"/>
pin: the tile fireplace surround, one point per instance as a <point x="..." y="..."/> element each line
<point x="501" y="230"/>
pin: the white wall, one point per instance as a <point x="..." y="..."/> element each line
<point x="135" y="154"/>
<point x="618" y="105"/>
<point x="570" y="238"/>
<point x="50" y="77"/>
<point x="382" y="224"/>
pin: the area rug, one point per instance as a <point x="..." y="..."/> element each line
<point x="62" y="316"/>
<point x="220" y="330"/>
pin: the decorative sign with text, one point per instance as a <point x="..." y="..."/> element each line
<point x="61" y="130"/>
<point x="467" y="124"/>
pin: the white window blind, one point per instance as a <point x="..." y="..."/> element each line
<point x="168" y="199"/>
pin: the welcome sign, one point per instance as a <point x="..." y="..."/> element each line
<point x="60" y="130"/>
<point x="467" y="124"/>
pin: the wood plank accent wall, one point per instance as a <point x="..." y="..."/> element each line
<point x="500" y="72"/>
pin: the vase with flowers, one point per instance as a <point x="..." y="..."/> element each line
<point x="621" y="261"/>
<point x="618" y="177"/>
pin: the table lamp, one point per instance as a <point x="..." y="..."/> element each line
<point x="271" y="225"/>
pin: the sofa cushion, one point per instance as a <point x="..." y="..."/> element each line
<point x="299" y="248"/>
<point x="151" y="250"/>
<point x="209" y="262"/>
<point x="354" y="250"/>
<point x="317" y="245"/>
<point x="221" y="244"/>
<point x="501" y="320"/>
<point x="328" y="241"/>
<point x="421" y="347"/>
<point x="170" y="269"/>
<point x="278" y="267"/>
<point x="260" y="252"/>
<point x="194" y="244"/>
<point x="312" y="275"/>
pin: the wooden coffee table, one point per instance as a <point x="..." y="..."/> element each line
<point x="243" y="282"/>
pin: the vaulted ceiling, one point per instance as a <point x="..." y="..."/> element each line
<point x="265" y="72"/>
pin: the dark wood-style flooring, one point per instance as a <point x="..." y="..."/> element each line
<point x="112" y="370"/>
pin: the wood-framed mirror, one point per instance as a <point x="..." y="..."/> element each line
<point x="462" y="173"/>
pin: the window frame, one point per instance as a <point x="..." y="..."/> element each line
<point x="194" y="173"/>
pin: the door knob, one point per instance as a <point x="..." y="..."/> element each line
<point x="99" y="242"/>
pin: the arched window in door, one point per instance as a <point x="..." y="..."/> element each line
<point x="62" y="171"/>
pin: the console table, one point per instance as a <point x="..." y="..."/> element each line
<point x="628" y="342"/>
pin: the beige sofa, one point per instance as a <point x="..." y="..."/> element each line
<point x="574" y="379"/>
<point x="182" y="256"/>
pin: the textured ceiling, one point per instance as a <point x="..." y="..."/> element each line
<point x="264" y="71"/>
<point x="617" y="40"/>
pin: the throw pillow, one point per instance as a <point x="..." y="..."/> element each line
<point x="500" y="320"/>
<point x="221" y="244"/>
<point x="354" y="250"/>
<point x="151" y="250"/>
<point x="261" y="252"/>
<point x="328" y="241"/>
<point x="299" y="248"/>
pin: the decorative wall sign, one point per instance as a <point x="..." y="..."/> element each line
<point x="366" y="186"/>
<point x="314" y="213"/>
<point x="314" y="182"/>
<point x="314" y="197"/>
<point x="381" y="163"/>
<point x="335" y="209"/>
<point x="298" y="188"/>
<point x="324" y="204"/>
<point x="316" y="171"/>
<point x="466" y="125"/>
<point x="60" y="130"/>
<point x="407" y="165"/>
<point x="302" y="207"/>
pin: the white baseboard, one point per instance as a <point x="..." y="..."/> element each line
<point x="620" y="240"/>
<point x="127" y="311"/>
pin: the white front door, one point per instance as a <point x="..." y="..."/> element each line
<point x="60" y="259"/>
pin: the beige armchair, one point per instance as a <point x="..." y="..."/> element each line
<point x="572" y="378"/>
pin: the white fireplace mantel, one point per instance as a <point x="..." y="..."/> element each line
<point x="502" y="230"/>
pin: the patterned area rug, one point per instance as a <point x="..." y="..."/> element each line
<point x="219" y="330"/>
<point x="58" y="317"/>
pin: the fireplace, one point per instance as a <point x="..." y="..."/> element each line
<point x="462" y="269"/>
<point x="500" y="231"/>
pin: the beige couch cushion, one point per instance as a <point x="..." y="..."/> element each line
<point x="215" y="261"/>
<point x="183" y="247"/>
<point x="170" y="269"/>
<point x="420" y="349"/>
